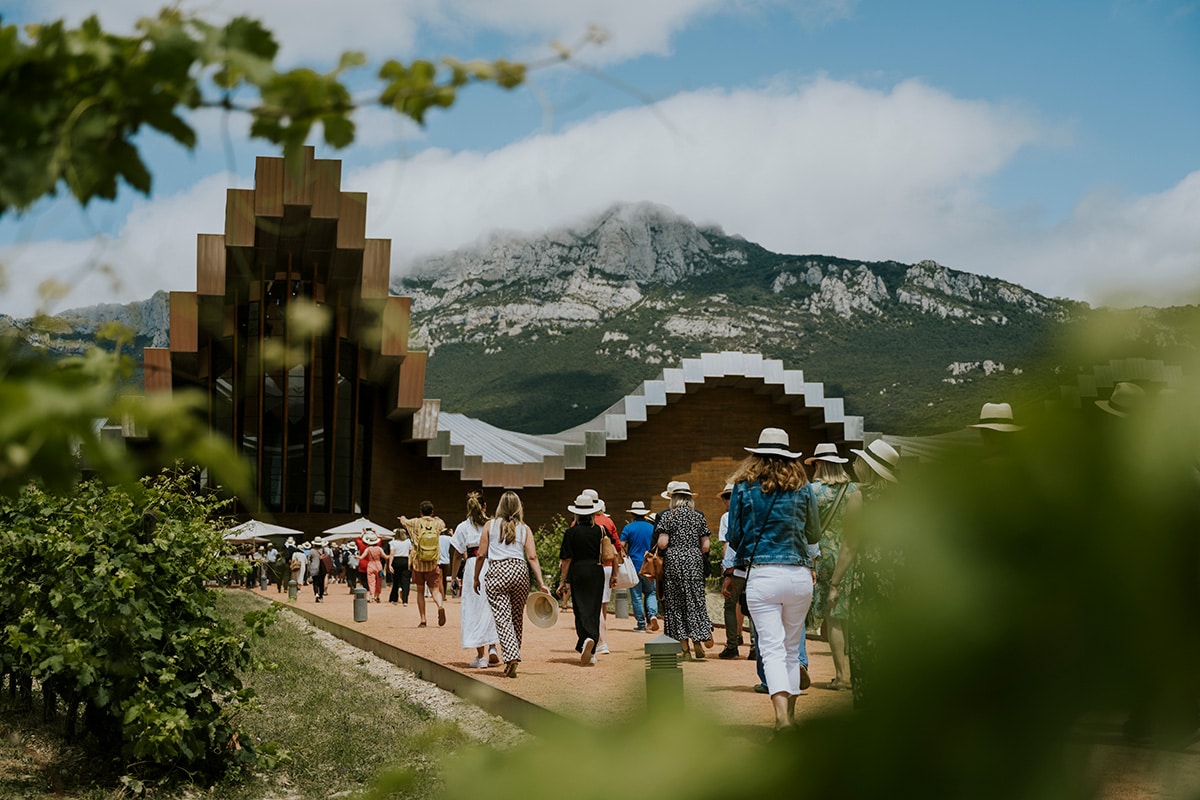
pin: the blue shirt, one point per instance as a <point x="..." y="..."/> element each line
<point x="638" y="537"/>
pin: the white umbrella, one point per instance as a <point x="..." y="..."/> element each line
<point x="254" y="530"/>
<point x="351" y="530"/>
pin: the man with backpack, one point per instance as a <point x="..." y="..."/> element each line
<point x="424" y="533"/>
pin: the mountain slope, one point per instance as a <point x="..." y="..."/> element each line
<point x="539" y="334"/>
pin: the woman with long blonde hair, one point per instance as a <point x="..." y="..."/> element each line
<point x="506" y="545"/>
<point x="478" y="624"/>
<point x="773" y="521"/>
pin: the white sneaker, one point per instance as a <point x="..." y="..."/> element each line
<point x="588" y="646"/>
<point x="592" y="662"/>
<point x="493" y="657"/>
<point x="478" y="663"/>
<point x="602" y="650"/>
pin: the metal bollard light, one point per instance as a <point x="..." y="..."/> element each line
<point x="262" y="582"/>
<point x="360" y="604"/>
<point x="291" y="591"/>
<point x="664" y="678"/>
<point x="621" y="603"/>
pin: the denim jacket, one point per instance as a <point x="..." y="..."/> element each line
<point x="791" y="534"/>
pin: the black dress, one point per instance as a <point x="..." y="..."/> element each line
<point x="581" y="544"/>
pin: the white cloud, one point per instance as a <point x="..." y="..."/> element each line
<point x="829" y="167"/>
<point x="156" y="249"/>
<point x="315" y="29"/>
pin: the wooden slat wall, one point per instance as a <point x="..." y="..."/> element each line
<point x="327" y="188"/>
<point x="156" y="365"/>
<point x="239" y="218"/>
<point x="396" y="316"/>
<point x="377" y="264"/>
<point x="184" y="322"/>
<point x="298" y="180"/>
<point x="411" y="389"/>
<point x="210" y="264"/>
<point x="352" y="222"/>
<point x="268" y="186"/>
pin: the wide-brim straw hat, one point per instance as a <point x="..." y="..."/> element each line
<point x="773" y="442"/>
<point x="638" y="508"/>
<point x="592" y="493"/>
<point x="1125" y="398"/>
<point x="371" y="539"/>
<point x="727" y="491"/>
<point x="319" y="542"/>
<point x="997" y="417"/>
<point x="542" y="609"/>
<point x="676" y="487"/>
<point x="826" y="451"/>
<point x="290" y="540"/>
<point x="881" y="457"/>
<point x="585" y="505"/>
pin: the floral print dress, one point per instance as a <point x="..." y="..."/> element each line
<point x="684" y="607"/>
<point x="831" y="545"/>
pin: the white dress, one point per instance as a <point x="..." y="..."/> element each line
<point x="478" y="624"/>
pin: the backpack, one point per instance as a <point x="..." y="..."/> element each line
<point x="427" y="546"/>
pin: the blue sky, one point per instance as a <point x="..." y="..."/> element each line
<point x="1051" y="144"/>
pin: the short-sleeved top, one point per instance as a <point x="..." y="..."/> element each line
<point x="638" y="537"/>
<point x="582" y="543"/>
<point x="466" y="536"/>
<point x="444" y="547"/>
<point x="498" y="550"/>
<point x="401" y="549"/>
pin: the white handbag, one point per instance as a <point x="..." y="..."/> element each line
<point x="626" y="575"/>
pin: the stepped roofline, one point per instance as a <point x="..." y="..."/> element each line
<point x="502" y="458"/>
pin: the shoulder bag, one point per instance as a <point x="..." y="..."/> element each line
<point x="627" y="576"/>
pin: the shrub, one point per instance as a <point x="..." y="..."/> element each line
<point x="107" y="610"/>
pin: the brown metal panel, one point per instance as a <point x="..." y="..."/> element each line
<point x="352" y="222"/>
<point x="156" y="367"/>
<point x="210" y="264"/>
<point x="411" y="389"/>
<point x="184" y="319"/>
<point x="377" y="265"/>
<point x="239" y="217"/>
<point x="396" y="315"/>
<point x="327" y="188"/>
<point x="298" y="180"/>
<point x="268" y="186"/>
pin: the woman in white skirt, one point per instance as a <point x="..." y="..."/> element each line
<point x="478" y="623"/>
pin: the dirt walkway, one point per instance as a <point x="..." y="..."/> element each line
<point x="550" y="675"/>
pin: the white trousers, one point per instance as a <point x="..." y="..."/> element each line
<point x="778" y="597"/>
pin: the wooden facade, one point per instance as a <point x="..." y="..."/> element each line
<point x="335" y="422"/>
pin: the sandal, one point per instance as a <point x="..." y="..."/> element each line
<point x="511" y="669"/>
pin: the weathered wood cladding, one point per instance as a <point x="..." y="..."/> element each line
<point x="352" y="221"/>
<point x="410" y="393"/>
<point x="239" y="218"/>
<point x="376" y="268"/>
<point x="184" y="322"/>
<point x="268" y="187"/>
<point x="396" y="320"/>
<point x="210" y="264"/>
<point x="156" y="367"/>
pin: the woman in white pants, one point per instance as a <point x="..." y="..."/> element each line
<point x="775" y="529"/>
<point x="478" y="624"/>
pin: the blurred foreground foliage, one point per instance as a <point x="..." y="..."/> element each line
<point x="107" y="609"/>
<point x="1046" y="620"/>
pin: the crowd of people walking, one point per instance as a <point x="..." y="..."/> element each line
<point x="791" y="559"/>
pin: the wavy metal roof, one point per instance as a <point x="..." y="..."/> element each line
<point x="499" y="457"/>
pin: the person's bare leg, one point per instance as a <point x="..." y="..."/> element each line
<point x="780" y="702"/>
<point x="837" y="647"/>
<point x="603" y="628"/>
<point x="791" y="707"/>
<point x="421" y="603"/>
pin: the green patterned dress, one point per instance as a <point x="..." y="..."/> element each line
<point x="831" y="545"/>
<point x="876" y="575"/>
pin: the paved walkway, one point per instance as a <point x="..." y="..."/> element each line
<point x="550" y="675"/>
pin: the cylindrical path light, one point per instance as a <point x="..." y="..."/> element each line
<point x="360" y="604"/>
<point x="664" y="678"/>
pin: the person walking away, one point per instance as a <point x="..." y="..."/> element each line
<point x="875" y="566"/>
<point x="352" y="561"/>
<point x="401" y="574"/>
<point x="610" y="565"/>
<point x="582" y="575"/>
<point x="312" y="560"/>
<point x="324" y="570"/>
<point x="424" y="532"/>
<point x="636" y="538"/>
<point x="373" y="557"/>
<point x="478" y="623"/>
<point x="684" y="538"/>
<point x="773" y="519"/>
<point x="444" y="562"/>
<point x="506" y="548"/>
<point x="835" y="493"/>
<point x="734" y="618"/>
